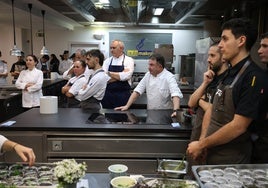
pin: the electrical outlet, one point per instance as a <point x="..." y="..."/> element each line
<point x="56" y="145"/>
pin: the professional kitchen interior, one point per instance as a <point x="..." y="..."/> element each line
<point x="150" y="143"/>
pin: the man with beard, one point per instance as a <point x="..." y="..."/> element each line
<point x="237" y="99"/>
<point x="92" y="93"/>
<point x="202" y="98"/>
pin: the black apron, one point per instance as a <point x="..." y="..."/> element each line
<point x="197" y="128"/>
<point x="117" y="93"/>
<point x="91" y="103"/>
<point x="237" y="151"/>
<point x="44" y="68"/>
<point x="209" y="95"/>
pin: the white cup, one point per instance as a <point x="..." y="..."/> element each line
<point x="116" y="170"/>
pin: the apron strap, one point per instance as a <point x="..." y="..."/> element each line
<point x="91" y="76"/>
<point x="240" y="73"/>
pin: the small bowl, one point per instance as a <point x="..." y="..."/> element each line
<point x="123" y="182"/>
<point x="116" y="170"/>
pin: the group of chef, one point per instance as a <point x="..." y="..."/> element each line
<point x="235" y="124"/>
<point x="159" y="84"/>
<point x="231" y="102"/>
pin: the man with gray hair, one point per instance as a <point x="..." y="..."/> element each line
<point x="119" y="68"/>
<point x="80" y="54"/>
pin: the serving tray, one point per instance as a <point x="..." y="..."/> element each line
<point x="21" y="175"/>
<point x="167" y="183"/>
<point x="236" y="175"/>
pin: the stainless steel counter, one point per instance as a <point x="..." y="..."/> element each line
<point x="11" y="99"/>
<point x="68" y="134"/>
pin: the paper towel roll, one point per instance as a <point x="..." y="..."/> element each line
<point x="48" y="105"/>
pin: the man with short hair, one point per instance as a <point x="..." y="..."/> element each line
<point x="260" y="131"/>
<point x="119" y="68"/>
<point x="18" y="67"/>
<point x="160" y="85"/>
<point x="236" y="102"/>
<point x="44" y="66"/>
<point x="92" y="93"/>
<point x="263" y="50"/>
<point x="202" y="98"/>
<point x="80" y="54"/>
<point x="65" y="63"/>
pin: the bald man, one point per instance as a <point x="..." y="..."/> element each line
<point x="119" y="68"/>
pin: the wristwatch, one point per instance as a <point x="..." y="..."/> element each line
<point x="176" y="110"/>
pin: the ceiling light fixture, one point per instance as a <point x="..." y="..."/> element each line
<point x="158" y="11"/>
<point x="104" y="1"/>
<point x="14" y="51"/>
<point x="31" y="26"/>
<point x="44" y="51"/>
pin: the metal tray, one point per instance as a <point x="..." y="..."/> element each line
<point x="166" y="182"/>
<point x="172" y="168"/>
<point x="250" y="175"/>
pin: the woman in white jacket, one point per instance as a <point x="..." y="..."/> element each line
<point x="30" y="81"/>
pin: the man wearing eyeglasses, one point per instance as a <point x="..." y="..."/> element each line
<point x="119" y="68"/>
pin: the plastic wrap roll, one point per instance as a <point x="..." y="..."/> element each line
<point x="49" y="105"/>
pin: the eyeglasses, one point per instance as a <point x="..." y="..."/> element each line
<point x="112" y="47"/>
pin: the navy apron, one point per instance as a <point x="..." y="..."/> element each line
<point x="237" y="151"/>
<point x="117" y="93"/>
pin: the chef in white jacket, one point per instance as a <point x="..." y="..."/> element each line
<point x="30" y="81"/>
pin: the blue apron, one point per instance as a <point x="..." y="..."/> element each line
<point x="117" y="93"/>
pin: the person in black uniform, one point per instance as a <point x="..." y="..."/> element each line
<point x="263" y="50"/>
<point x="44" y="66"/>
<point x="260" y="134"/>
<point x="236" y="101"/>
<point x="54" y="63"/>
<point x="119" y="68"/>
<point x="18" y="67"/>
<point x="202" y="99"/>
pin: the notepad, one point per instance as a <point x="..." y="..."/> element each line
<point x="175" y="124"/>
<point x="83" y="183"/>
<point x="8" y="123"/>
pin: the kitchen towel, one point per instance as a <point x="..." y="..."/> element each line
<point x="48" y="105"/>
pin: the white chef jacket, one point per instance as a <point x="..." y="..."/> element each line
<point x="2" y="140"/>
<point x="31" y="96"/>
<point x="95" y="88"/>
<point x="65" y="65"/>
<point x="128" y="64"/>
<point x="77" y="84"/>
<point x="3" y="69"/>
<point x="159" y="89"/>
